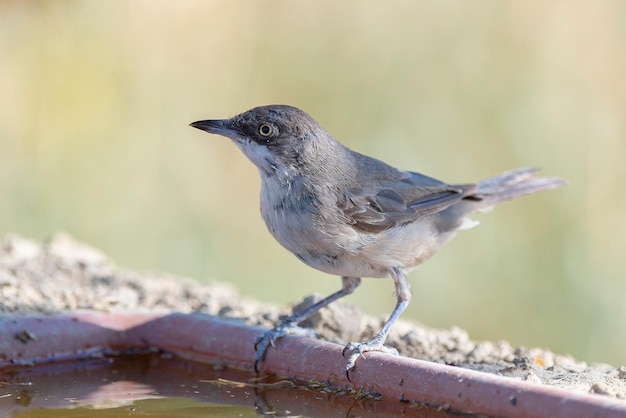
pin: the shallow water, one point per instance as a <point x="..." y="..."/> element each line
<point x="159" y="385"/>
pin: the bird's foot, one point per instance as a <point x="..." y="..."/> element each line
<point x="264" y="341"/>
<point x="355" y="350"/>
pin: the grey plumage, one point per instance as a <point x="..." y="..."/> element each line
<point x="348" y="214"/>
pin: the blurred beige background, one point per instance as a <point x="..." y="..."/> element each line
<point x="96" y="96"/>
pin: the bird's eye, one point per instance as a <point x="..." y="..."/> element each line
<point x="265" y="130"/>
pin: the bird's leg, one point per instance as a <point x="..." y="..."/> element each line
<point x="356" y="350"/>
<point x="289" y="325"/>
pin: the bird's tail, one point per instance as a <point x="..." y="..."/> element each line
<point x="511" y="185"/>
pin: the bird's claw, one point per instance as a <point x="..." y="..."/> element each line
<point x="356" y="350"/>
<point x="267" y="339"/>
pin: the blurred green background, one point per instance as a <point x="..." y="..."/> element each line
<point x="96" y="96"/>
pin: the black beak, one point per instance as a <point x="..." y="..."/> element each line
<point x="219" y="126"/>
<point x="223" y="127"/>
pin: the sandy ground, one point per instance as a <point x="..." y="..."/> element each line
<point x="64" y="275"/>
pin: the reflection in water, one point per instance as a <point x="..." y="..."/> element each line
<point x="160" y="385"/>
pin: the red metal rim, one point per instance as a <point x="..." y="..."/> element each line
<point x="36" y="339"/>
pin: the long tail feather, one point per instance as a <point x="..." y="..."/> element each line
<point x="513" y="184"/>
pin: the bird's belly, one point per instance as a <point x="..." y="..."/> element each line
<point x="324" y="240"/>
<point x="371" y="259"/>
<point x="338" y="248"/>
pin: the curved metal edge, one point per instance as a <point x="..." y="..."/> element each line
<point x="207" y="339"/>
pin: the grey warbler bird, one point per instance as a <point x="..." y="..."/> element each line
<point x="351" y="215"/>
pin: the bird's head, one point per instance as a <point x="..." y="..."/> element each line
<point x="275" y="137"/>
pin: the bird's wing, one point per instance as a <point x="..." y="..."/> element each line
<point x="374" y="209"/>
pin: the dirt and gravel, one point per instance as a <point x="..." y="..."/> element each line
<point x="64" y="275"/>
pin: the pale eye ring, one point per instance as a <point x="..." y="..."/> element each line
<point x="266" y="130"/>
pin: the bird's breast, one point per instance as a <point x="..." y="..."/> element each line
<point x="291" y="214"/>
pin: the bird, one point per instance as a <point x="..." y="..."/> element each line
<point x="351" y="215"/>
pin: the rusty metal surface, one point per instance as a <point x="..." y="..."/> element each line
<point x="28" y="340"/>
